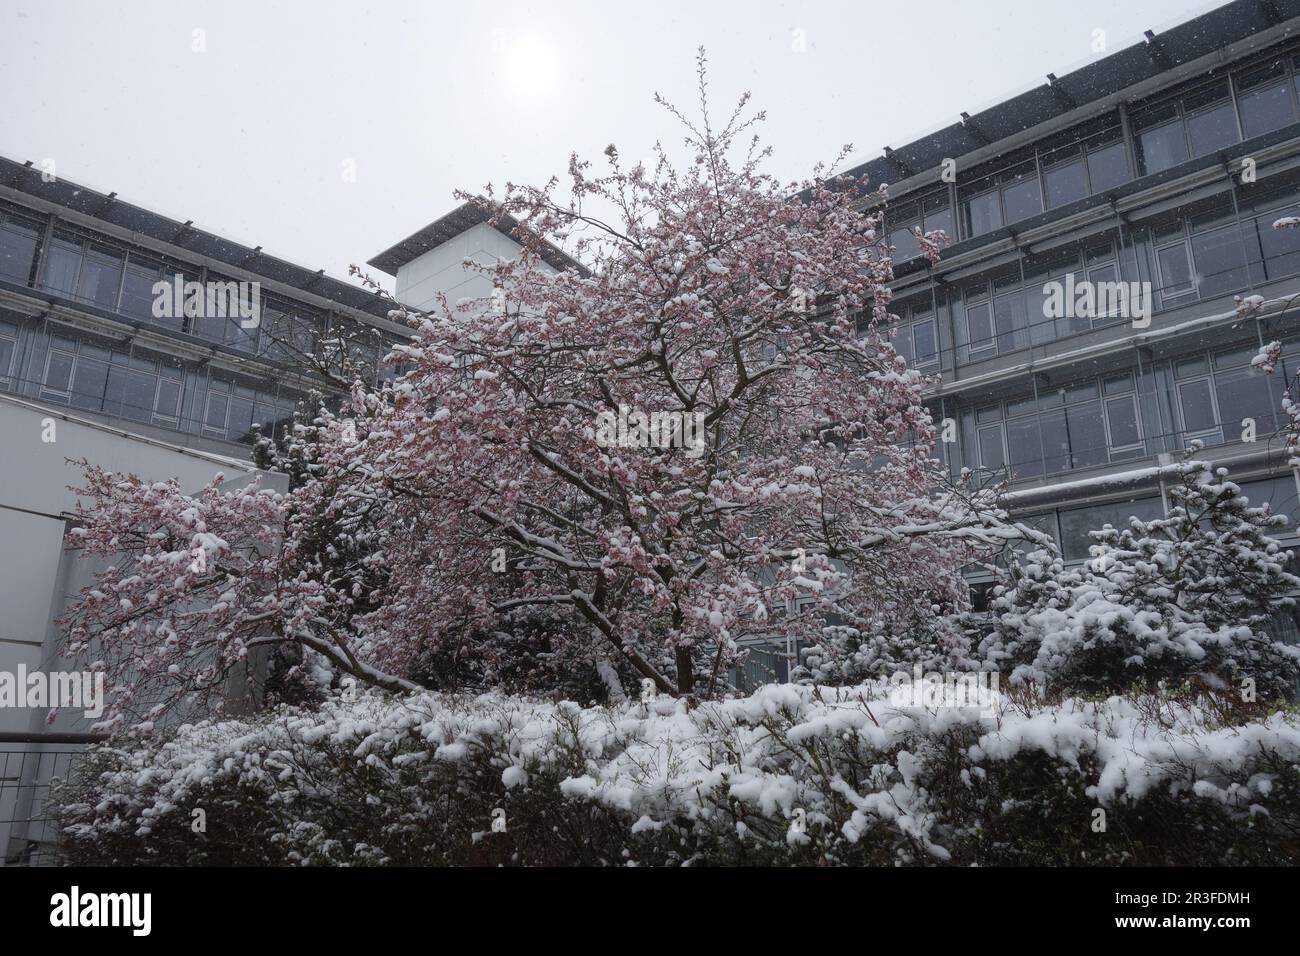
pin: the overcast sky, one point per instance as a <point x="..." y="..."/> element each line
<point x="251" y="126"/>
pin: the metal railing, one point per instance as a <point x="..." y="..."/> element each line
<point x="29" y="764"/>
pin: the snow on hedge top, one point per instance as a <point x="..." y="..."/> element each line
<point x="664" y="760"/>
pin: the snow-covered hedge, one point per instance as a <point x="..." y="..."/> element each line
<point x="790" y="774"/>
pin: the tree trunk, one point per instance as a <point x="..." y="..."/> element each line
<point x="685" y="675"/>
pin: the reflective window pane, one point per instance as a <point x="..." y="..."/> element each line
<point x="1212" y="129"/>
<point x="979" y="323"/>
<point x="1066" y="183"/>
<point x="17" y="250"/>
<point x="1197" y="406"/>
<point x="1087" y="435"/>
<point x="1023" y="446"/>
<point x="1244" y="394"/>
<point x="1121" y="416"/>
<point x="62" y="264"/>
<point x="1107" y="167"/>
<point x="1023" y="198"/>
<point x="89" y="383"/>
<point x="925" y="348"/>
<point x="983" y="214"/>
<point x="991" y="453"/>
<point x="1161" y="147"/>
<point x="1175" y="270"/>
<point x="1266" y="108"/>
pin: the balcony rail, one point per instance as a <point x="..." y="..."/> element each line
<point x="29" y="764"/>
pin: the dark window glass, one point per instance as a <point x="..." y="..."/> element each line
<point x="1197" y="406"/>
<point x="991" y="454"/>
<point x="100" y="276"/>
<point x="1281" y="247"/>
<point x="1220" y="258"/>
<point x="58" y="371"/>
<point x="1056" y="440"/>
<point x="89" y="382"/>
<point x="979" y="323"/>
<point x="1024" y="448"/>
<point x="1009" y="317"/>
<point x="1066" y="183"/>
<point x="216" y="417"/>
<point x="983" y="214"/>
<point x="130" y="394"/>
<point x="1212" y="129"/>
<point x="1175" y="271"/>
<point x="241" y="418"/>
<point x="1107" y="167"/>
<point x="925" y="348"/>
<point x="938" y="216"/>
<point x="17" y="249"/>
<point x="1266" y="108"/>
<point x="1243" y="393"/>
<point x="1087" y="435"/>
<point x="1022" y="198"/>
<point x="1121" y="415"/>
<point x="61" y="267"/>
<point x="137" y="291"/>
<point x="1106" y="300"/>
<point x="1161" y="147"/>
<point x="169" y="397"/>
<point x="6" y="357"/>
<point x="904" y="243"/>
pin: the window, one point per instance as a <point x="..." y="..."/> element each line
<point x="1159" y="139"/>
<point x="938" y="215"/>
<point x="1220" y="257"/>
<point x="1265" y="100"/>
<point x="17" y="249"/>
<point x="62" y="264"/>
<point x="1023" y="198"/>
<point x="925" y="346"/>
<point x="101" y="274"/>
<point x="979" y="325"/>
<point x="1122" y="423"/>
<point x="1107" y="167"/>
<point x="1243" y="393"/>
<point x="992" y="454"/>
<point x="1175" y="270"/>
<point x="1086" y="434"/>
<point x="1281" y="247"/>
<point x="1024" y="447"/>
<point x="983" y="214"/>
<point x="90" y="379"/>
<point x="1066" y="183"/>
<point x="904" y="242"/>
<point x="1106" y="307"/>
<point x="137" y="290"/>
<point x="1078" y="522"/>
<point x="58" y="370"/>
<point x="8" y="349"/>
<point x="1196" y="400"/>
<point x="1211" y="122"/>
<point x="1010" y="321"/>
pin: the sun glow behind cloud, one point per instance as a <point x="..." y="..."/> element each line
<point x="530" y="65"/>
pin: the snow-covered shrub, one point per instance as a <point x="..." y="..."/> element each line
<point x="845" y="655"/>
<point x="791" y="774"/>
<point x="1186" y="597"/>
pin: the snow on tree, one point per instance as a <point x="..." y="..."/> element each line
<point x="664" y="449"/>
<point x="1184" y="597"/>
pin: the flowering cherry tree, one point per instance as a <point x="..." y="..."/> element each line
<point x="795" y="477"/>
